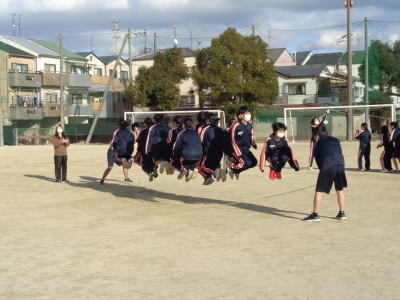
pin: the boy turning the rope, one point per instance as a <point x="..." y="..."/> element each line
<point x="330" y="161"/>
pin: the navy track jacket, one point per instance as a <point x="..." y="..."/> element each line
<point x="157" y="138"/>
<point x="212" y="139"/>
<point x="242" y="137"/>
<point x="365" y="138"/>
<point x="188" y="145"/>
<point x="328" y="153"/>
<point x="123" y="141"/>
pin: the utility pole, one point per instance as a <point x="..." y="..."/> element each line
<point x="366" y="90"/>
<point x="116" y="36"/>
<point x="253" y="30"/>
<point x="61" y="82"/>
<point x="349" y="4"/>
<point x="155" y="43"/>
<point x="130" y="56"/>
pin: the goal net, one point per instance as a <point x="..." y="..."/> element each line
<point x="298" y="120"/>
<point x="135" y="116"/>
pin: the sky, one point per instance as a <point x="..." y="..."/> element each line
<point x="297" y="25"/>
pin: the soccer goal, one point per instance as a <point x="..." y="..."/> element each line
<point x="298" y="120"/>
<point x="136" y="116"/>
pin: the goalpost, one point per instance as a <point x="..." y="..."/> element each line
<point x="298" y="119"/>
<point x="139" y="116"/>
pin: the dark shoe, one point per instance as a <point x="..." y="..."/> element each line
<point x="155" y="173"/>
<point x="341" y="216"/>
<point x="58" y="181"/>
<point x="208" y="180"/>
<point x="151" y="176"/>
<point x="313" y="217"/>
<point x="101" y="181"/>
<point x="127" y="180"/>
<point x="181" y="175"/>
<point x="237" y="176"/>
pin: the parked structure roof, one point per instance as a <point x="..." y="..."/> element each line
<point x="301" y="70"/>
<point x="325" y="58"/>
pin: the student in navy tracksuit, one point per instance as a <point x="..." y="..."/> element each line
<point x="188" y="150"/>
<point x="242" y="137"/>
<point x="365" y="147"/>
<point x="172" y="135"/>
<point x="315" y="123"/>
<point x="386" y="156"/>
<point x="395" y="139"/>
<point x="156" y="145"/>
<point x="212" y="137"/>
<point x="330" y="161"/>
<point x="120" y="150"/>
<point x="277" y="151"/>
<point x="140" y="158"/>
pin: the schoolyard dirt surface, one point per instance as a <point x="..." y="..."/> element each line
<point x="171" y="239"/>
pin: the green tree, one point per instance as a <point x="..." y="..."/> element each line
<point x="383" y="66"/>
<point x="158" y="86"/>
<point x="235" y="69"/>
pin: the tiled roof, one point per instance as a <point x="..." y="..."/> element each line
<point x="56" y="48"/>
<point x="301" y="71"/>
<point x="358" y="57"/>
<point x="186" y="52"/>
<point x="325" y="58"/>
<point x="108" y="59"/>
<point x="13" y="51"/>
<point x="274" y="54"/>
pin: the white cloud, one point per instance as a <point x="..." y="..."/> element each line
<point x="70" y="5"/>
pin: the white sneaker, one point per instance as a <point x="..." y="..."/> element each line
<point x="385" y="171"/>
<point x="195" y="172"/>
<point x="189" y="175"/>
<point x="161" y="167"/>
<point x="218" y="174"/>
<point x="310" y="168"/>
<point x="223" y="175"/>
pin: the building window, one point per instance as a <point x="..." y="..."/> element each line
<point x="297" y="89"/>
<point x="124" y="75"/>
<point x="50" y="98"/>
<point x="98" y="72"/>
<point x="49" y="68"/>
<point x="110" y="73"/>
<point x="19" y="68"/>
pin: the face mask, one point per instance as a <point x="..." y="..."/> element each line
<point x="247" y="117"/>
<point x="316" y="122"/>
<point x="59" y="130"/>
<point x="280" y="134"/>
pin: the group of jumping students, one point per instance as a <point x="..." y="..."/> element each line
<point x="193" y="149"/>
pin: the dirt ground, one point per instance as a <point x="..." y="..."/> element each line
<point x="171" y="239"/>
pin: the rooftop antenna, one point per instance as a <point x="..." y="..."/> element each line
<point x="14" y="26"/>
<point x="116" y="36"/>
